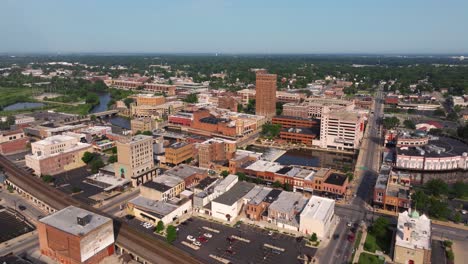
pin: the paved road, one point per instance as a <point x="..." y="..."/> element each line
<point x="340" y="251"/>
<point x="28" y="245"/>
<point x="13" y="200"/>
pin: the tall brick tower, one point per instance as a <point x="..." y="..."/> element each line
<point x="265" y="95"/>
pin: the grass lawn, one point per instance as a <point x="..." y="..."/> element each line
<point x="10" y="96"/>
<point x="366" y="258"/>
<point x="372" y="243"/>
<point x="82" y="109"/>
<point x="357" y="242"/>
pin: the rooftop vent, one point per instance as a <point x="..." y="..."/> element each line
<point x="83" y="219"/>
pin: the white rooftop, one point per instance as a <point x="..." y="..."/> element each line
<point x="317" y="208"/>
<point x="419" y="230"/>
<point x="109" y="180"/>
<point x="66" y="220"/>
<point x="263" y="165"/>
<point x="168" y="180"/>
<point x="55" y="140"/>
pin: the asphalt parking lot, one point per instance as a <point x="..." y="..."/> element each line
<point x="74" y="178"/>
<point x="237" y="251"/>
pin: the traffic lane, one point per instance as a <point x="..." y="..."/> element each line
<point x="18" y="202"/>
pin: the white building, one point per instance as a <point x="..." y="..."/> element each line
<point x="341" y="130"/>
<point x="317" y="217"/>
<point x="413" y="239"/>
<point x="152" y="211"/>
<point x="227" y="206"/>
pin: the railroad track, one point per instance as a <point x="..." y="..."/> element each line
<point x="131" y="239"/>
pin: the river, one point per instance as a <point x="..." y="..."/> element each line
<point x="117" y="121"/>
<point x="22" y="105"/>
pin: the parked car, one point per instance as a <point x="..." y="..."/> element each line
<point x="349" y="224"/>
<point x="22" y="207"/>
<point x="270" y="233"/>
<point x="351" y="237"/>
<point x="275" y="251"/>
<point x="202" y="239"/>
<point x="229" y="251"/>
<point x="208" y="235"/>
<point x="196" y="243"/>
<point x="191" y="238"/>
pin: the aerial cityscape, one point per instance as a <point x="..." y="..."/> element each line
<point x="194" y="142"/>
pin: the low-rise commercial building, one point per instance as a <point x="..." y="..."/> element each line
<point x="143" y="124"/>
<point x="152" y="211"/>
<point x="74" y="235"/>
<point x="285" y="211"/>
<point x="162" y="188"/>
<point x="166" y="89"/>
<point x="227" y="206"/>
<point x="215" y="151"/>
<point x="392" y="190"/>
<point x="317" y="217"/>
<point x="12" y="142"/>
<point x="56" y="154"/>
<point x="190" y="174"/>
<point x="294" y="122"/>
<point x="413" y="239"/>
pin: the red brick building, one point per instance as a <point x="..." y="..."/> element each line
<point x="293" y="121"/>
<point x="12" y="142"/>
<point x="227" y="102"/>
<point x="265" y="94"/>
<point x="74" y="235"/>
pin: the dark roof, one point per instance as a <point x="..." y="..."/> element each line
<point x="292" y="117"/>
<point x="205" y="183"/>
<point x="284" y="170"/>
<point x="336" y="179"/>
<point x="449" y="148"/>
<point x="13" y="259"/>
<point x="212" y="120"/>
<point x="272" y="196"/>
<point x="157" y="186"/>
<point x="238" y="191"/>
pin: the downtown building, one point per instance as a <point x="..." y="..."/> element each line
<point x="135" y="159"/>
<point x="74" y="235"/>
<point x="265" y="94"/>
<point x="57" y="154"/>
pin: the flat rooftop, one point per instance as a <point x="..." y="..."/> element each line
<point x="157" y="186"/>
<point x="168" y="180"/>
<point x="184" y="171"/>
<point x="318" y="208"/>
<point x="239" y="190"/>
<point x="437" y="147"/>
<point x="263" y="165"/>
<point x="66" y="220"/>
<point x="336" y="179"/>
<point x="156" y="208"/>
<point x="420" y="230"/>
<point x="257" y="194"/>
<point x="288" y="202"/>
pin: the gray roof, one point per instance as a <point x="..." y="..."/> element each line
<point x="157" y="208"/>
<point x="238" y="191"/>
<point x="66" y="220"/>
<point x="184" y="171"/>
<point x="257" y="194"/>
<point x="288" y="202"/>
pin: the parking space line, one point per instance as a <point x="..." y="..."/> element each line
<point x="220" y="259"/>
<point x="190" y="245"/>
<point x="211" y="229"/>
<point x="273" y="247"/>
<point x="241" y="239"/>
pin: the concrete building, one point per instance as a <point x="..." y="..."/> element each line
<point x="12" y="142"/>
<point x="227" y="102"/>
<point x="413" y="239"/>
<point x="156" y="110"/>
<point x="314" y="107"/>
<point x="294" y="122"/>
<point x="341" y="130"/>
<point x="143" y="124"/>
<point x="202" y="199"/>
<point x="178" y="152"/>
<point x="56" y="154"/>
<point x="152" y="211"/>
<point x="74" y="235"/>
<point x="135" y="159"/>
<point x="215" y="151"/>
<point x="150" y="99"/>
<point x="228" y="206"/>
<point x="317" y="217"/>
<point x="265" y="94"/>
<point x="160" y="88"/>
<point x="162" y="188"/>
<point x="258" y="200"/>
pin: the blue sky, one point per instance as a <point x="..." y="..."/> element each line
<point x="235" y="26"/>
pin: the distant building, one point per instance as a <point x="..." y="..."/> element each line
<point x="160" y="88"/>
<point x="413" y="239"/>
<point x="293" y="121"/>
<point x="227" y="102"/>
<point x="56" y="154"/>
<point x="265" y="94"/>
<point x="150" y="99"/>
<point x="162" y="188"/>
<point x="190" y="174"/>
<point x="178" y="153"/>
<point x="392" y="190"/>
<point x="135" y="159"/>
<point x="74" y="235"/>
<point x="143" y="124"/>
<point x="341" y="130"/>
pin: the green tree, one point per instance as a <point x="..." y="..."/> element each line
<point x="350" y="176"/>
<point x="114" y="150"/>
<point x="87" y="157"/>
<point x="313" y="237"/>
<point x="277" y="184"/>
<point x="391" y="122"/>
<point x="457" y="218"/>
<point x="159" y="227"/>
<point x="438" y="208"/>
<point x="420" y="200"/>
<point x="93" y="118"/>
<point x="241" y="176"/>
<point x="128" y="101"/>
<point x="112" y="159"/>
<point x="191" y="98"/>
<point x="75" y="189"/>
<point x="380" y="226"/>
<point x="437" y="187"/>
<point x="96" y="164"/>
<point x="147" y="133"/>
<point x="460" y="189"/>
<point x="287" y="187"/>
<point x="409" y="124"/>
<point x="271" y="130"/>
<point x="171" y="234"/>
<point x="439" y="112"/>
<point x="224" y="173"/>
<point x="47" y="178"/>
